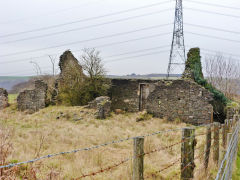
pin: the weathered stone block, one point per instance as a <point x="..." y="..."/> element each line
<point x="33" y="100"/>
<point x="103" y="106"/>
<point x="3" y="98"/>
<point x="103" y="109"/>
<point x="93" y="104"/>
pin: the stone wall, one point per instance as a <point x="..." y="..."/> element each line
<point x="125" y="94"/>
<point x="33" y="100"/>
<point x="3" y="98"/>
<point x="181" y="99"/>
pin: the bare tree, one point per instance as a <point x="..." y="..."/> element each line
<point x="53" y="62"/>
<point x="92" y="63"/>
<point x="223" y="73"/>
<point x="36" y="67"/>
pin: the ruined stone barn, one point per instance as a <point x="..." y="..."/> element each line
<point x="172" y="99"/>
<point x="33" y="100"/>
<point x="3" y="98"/>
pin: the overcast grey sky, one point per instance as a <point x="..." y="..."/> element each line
<point x="26" y="15"/>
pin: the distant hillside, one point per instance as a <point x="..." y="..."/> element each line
<point x="146" y="76"/>
<point x="8" y="82"/>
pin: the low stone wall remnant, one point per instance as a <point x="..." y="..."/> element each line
<point x="182" y="100"/>
<point x="3" y="98"/>
<point x="33" y="100"/>
<point x="103" y="106"/>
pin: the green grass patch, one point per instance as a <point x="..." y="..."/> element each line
<point x="236" y="173"/>
<point x="12" y="98"/>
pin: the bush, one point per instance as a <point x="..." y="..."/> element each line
<point x="79" y="89"/>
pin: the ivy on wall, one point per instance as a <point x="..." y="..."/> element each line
<point x="195" y="66"/>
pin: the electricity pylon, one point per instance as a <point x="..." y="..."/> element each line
<point x="177" y="53"/>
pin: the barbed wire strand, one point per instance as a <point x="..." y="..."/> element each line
<point x="104" y="170"/>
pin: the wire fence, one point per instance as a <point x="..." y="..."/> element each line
<point x="226" y="167"/>
<point x="193" y="159"/>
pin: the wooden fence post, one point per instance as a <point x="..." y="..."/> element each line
<point x="216" y="142"/>
<point x="207" y="145"/>
<point x="227" y="127"/>
<point x="138" y="155"/>
<point x="229" y="135"/>
<point x="187" y="153"/>
<point x="224" y="134"/>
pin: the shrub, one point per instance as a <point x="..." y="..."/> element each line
<point x="79" y="89"/>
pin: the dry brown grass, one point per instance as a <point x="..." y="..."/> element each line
<point x="58" y="128"/>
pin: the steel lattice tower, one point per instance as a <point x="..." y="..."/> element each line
<point x="177" y="53"/>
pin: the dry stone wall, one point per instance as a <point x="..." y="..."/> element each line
<point x="3" y="98"/>
<point x="177" y="99"/>
<point x="181" y="99"/>
<point x="33" y="100"/>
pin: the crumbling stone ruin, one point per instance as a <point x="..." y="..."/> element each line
<point x="193" y="64"/>
<point x="33" y="100"/>
<point x="69" y="67"/>
<point x="103" y="106"/>
<point x="176" y="99"/>
<point x="3" y="98"/>
<point x="71" y="75"/>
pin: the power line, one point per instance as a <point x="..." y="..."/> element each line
<point x="47" y="14"/>
<point x="126" y="53"/>
<point x="132" y="57"/>
<point x="195" y="25"/>
<point x="86" y="27"/>
<point x="213" y="28"/>
<point x="86" y="19"/>
<point x="141" y="50"/>
<point x="230" y="58"/>
<point x="215" y="37"/>
<point x="117" y="59"/>
<point x="142" y="55"/>
<point x="23" y="60"/>
<point x="214" y="5"/>
<point x="215" y="51"/>
<point x="210" y="12"/>
<point x="44" y="68"/>
<point x="86" y="40"/>
<point x="229" y="54"/>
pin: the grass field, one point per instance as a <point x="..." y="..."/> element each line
<point x="58" y="128"/>
<point x="236" y="173"/>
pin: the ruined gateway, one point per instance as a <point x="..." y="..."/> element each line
<point x="172" y="99"/>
